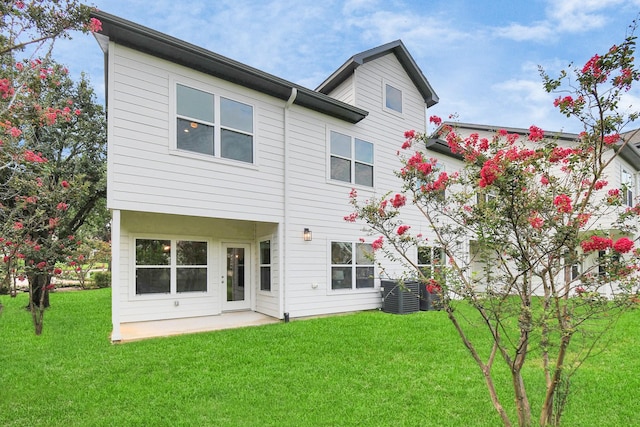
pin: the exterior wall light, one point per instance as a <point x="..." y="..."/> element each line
<point x="307" y="235"/>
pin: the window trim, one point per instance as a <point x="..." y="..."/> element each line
<point x="629" y="193"/>
<point x="354" y="265"/>
<point x="173" y="293"/>
<point x="386" y="83"/>
<point x="352" y="160"/>
<point x="261" y="265"/>
<point x="217" y="94"/>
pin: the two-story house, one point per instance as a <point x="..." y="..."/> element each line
<point x="228" y="186"/>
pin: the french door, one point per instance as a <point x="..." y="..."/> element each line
<point x="236" y="276"/>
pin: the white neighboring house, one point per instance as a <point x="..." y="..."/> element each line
<point x="622" y="173"/>
<point x="228" y="186"/>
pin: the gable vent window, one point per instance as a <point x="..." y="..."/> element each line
<point x="351" y="160"/>
<point x="198" y="112"/>
<point x="392" y="98"/>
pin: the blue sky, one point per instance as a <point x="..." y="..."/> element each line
<point x="480" y="56"/>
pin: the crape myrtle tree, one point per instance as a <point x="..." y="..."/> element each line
<point x="537" y="234"/>
<point x="51" y="139"/>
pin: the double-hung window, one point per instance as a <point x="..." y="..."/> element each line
<point x="351" y="265"/>
<point x="265" y="265"/>
<point x="213" y="125"/>
<point x="430" y="260"/>
<point x="170" y="266"/>
<point x="628" y="187"/>
<point x="351" y="159"/>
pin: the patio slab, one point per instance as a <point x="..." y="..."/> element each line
<point x="163" y="328"/>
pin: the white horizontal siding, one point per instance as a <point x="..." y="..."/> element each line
<point x="145" y="175"/>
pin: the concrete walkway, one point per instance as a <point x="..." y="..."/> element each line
<point x="164" y="328"/>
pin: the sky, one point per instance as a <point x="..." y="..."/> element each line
<point x="480" y="56"/>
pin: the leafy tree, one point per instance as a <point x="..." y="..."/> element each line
<point x="515" y="222"/>
<point x="47" y="180"/>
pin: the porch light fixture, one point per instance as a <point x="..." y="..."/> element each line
<point x="307" y="235"/>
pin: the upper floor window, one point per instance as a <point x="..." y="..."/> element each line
<point x="628" y="187"/>
<point x="198" y="112"/>
<point x="392" y="98"/>
<point x="351" y="265"/>
<point x="169" y="266"/>
<point x="351" y="159"/>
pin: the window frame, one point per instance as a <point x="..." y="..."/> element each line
<point x="431" y="266"/>
<point x="173" y="267"/>
<point x="352" y="159"/>
<point x="218" y="128"/>
<point x="627" y="186"/>
<point x="262" y="265"/>
<point x="385" y="85"/>
<point x="353" y="265"/>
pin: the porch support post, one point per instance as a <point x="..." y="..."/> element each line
<point x="115" y="275"/>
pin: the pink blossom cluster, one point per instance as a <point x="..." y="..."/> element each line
<point x="562" y="202"/>
<point x="597" y="243"/>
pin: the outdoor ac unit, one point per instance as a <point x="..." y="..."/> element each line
<point x="400" y="298"/>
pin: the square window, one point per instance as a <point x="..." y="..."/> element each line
<point x="199" y="129"/>
<point x="344" y="270"/>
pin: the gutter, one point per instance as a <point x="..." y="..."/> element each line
<point x="283" y="231"/>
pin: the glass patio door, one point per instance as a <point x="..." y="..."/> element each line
<point x="236" y="278"/>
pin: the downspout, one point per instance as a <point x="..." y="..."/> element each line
<point x="283" y="231"/>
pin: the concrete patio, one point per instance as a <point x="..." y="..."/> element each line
<point x="163" y="328"/>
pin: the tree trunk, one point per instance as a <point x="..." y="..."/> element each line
<point x="38" y="284"/>
<point x="38" y="299"/>
<point x="547" y="415"/>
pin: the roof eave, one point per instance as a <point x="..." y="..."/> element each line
<point x="149" y="41"/>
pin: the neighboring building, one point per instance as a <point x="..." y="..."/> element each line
<point x="228" y="186"/>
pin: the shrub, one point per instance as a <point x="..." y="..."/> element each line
<point x="101" y="279"/>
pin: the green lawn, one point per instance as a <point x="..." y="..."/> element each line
<point x="366" y="369"/>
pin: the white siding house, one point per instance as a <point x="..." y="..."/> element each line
<point x="217" y="169"/>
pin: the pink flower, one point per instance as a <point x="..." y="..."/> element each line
<point x="600" y="184"/>
<point x="94" y="25"/>
<point x="535" y="134"/>
<point x="544" y="180"/>
<point x="623" y="245"/>
<point x="18" y="225"/>
<point x="41" y="265"/>
<point x="563" y="203"/>
<point x="596" y="243"/>
<point x="377" y="244"/>
<point x="435" y="120"/>
<point x="62" y="206"/>
<point x="410" y="134"/>
<point x="15" y="132"/>
<point x="57" y="271"/>
<point x="611" y="139"/>
<point x="535" y="221"/>
<point x="352" y="217"/>
<point x="403" y="229"/>
<point x="398" y="201"/>
<point x="32" y="157"/>
<point x="64" y="184"/>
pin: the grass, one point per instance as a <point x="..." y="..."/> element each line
<point x="365" y="369"/>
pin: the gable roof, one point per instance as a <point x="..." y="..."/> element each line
<point x="404" y="57"/>
<point x="161" y="45"/>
